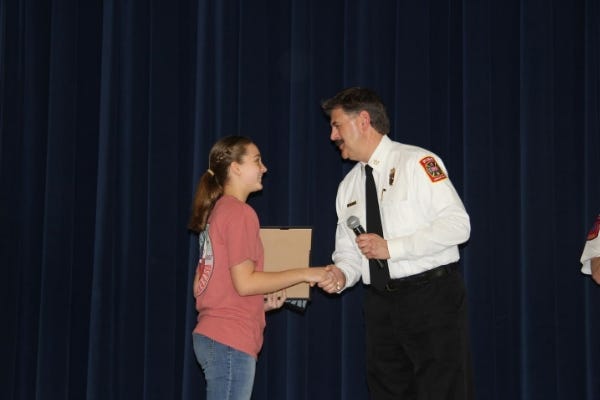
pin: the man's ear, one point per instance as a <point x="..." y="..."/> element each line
<point x="365" y="119"/>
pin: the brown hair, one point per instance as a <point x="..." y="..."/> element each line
<point x="210" y="187"/>
<point x="356" y="99"/>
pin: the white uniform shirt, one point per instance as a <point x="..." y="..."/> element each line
<point x="592" y="248"/>
<point x="423" y="218"/>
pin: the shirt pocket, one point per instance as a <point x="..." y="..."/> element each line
<point x="397" y="212"/>
<point x="392" y="194"/>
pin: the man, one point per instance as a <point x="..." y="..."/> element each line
<point x="415" y="306"/>
<point x="590" y="259"/>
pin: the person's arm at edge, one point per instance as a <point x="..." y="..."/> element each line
<point x="595" y="268"/>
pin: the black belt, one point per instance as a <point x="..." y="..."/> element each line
<point x="434" y="273"/>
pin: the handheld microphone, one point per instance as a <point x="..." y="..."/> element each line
<point x="354" y="223"/>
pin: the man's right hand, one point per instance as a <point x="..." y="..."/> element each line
<point x="337" y="280"/>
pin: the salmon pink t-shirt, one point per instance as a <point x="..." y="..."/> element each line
<point x="224" y="315"/>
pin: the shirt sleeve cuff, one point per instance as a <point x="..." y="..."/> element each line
<point x="396" y="248"/>
<point x="586" y="267"/>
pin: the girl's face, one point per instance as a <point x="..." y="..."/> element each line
<point x="251" y="169"/>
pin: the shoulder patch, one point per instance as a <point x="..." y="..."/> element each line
<point x="433" y="170"/>
<point x="593" y="233"/>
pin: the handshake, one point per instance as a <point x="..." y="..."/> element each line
<point x="329" y="278"/>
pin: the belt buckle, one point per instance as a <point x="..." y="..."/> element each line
<point x="389" y="287"/>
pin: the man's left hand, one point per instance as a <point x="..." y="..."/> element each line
<point x="373" y="246"/>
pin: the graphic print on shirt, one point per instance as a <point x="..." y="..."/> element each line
<point x="433" y="170"/>
<point x="593" y="233"/>
<point x="204" y="269"/>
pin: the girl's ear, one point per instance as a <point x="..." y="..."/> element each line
<point x="234" y="168"/>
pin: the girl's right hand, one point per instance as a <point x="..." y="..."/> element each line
<point x="316" y="275"/>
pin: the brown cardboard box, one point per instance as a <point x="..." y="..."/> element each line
<point x="287" y="248"/>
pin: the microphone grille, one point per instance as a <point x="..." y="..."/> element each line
<point x="353" y="222"/>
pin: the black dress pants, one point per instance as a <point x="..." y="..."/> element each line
<point x="417" y="341"/>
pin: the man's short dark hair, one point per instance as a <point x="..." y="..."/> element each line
<point x="356" y="99"/>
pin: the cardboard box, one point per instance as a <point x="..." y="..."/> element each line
<point x="287" y="248"/>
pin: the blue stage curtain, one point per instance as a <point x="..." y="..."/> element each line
<point x="108" y="110"/>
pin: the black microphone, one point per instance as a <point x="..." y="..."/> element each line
<point x="354" y="223"/>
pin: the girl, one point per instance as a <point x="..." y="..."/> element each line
<point x="230" y="284"/>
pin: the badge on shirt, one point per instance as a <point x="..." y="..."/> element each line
<point x="433" y="170"/>
<point x="593" y="233"/>
<point x="392" y="176"/>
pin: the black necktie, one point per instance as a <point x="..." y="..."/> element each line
<point x="379" y="275"/>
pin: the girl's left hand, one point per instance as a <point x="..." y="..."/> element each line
<point x="275" y="300"/>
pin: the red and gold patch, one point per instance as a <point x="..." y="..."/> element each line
<point x="593" y="233"/>
<point x="433" y="170"/>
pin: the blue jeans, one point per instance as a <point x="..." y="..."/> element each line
<point x="229" y="372"/>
